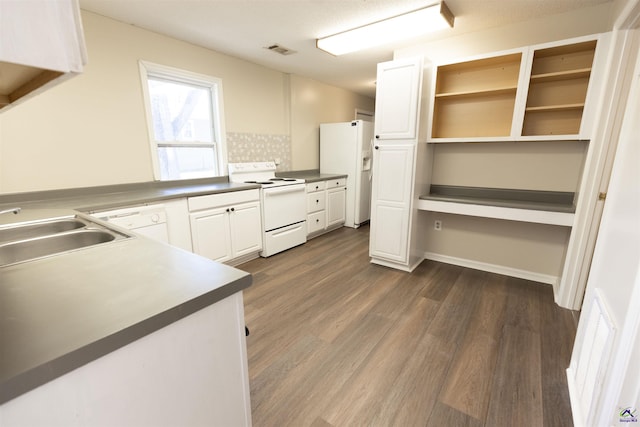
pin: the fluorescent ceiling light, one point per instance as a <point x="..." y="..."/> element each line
<point x="407" y="25"/>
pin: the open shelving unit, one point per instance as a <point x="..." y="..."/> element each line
<point x="558" y="89"/>
<point x="476" y="98"/>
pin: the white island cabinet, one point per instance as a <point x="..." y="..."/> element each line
<point x="41" y="44"/>
<point x="192" y="372"/>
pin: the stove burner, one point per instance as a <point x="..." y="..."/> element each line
<point x="258" y="182"/>
<point x="283" y="179"/>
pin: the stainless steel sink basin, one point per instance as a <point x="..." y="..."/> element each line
<point x="22" y="250"/>
<point x="37" y="229"/>
<point x="43" y="237"/>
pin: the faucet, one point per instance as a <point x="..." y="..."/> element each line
<point x="11" y="210"/>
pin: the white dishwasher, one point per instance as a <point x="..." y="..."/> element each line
<point x="149" y="221"/>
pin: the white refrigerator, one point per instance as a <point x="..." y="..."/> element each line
<point x="345" y="148"/>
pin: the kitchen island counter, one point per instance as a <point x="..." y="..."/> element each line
<point x="61" y="312"/>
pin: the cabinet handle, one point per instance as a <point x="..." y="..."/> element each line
<point x="377" y="136"/>
<point x="227" y="209"/>
<point x="233" y="209"/>
<point x="316" y="187"/>
<point x="317" y="201"/>
<point x="338" y="183"/>
<point x="317" y="220"/>
<point x="376" y="147"/>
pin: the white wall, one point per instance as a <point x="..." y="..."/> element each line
<point x="313" y="103"/>
<point x="584" y="21"/>
<point x="91" y="130"/>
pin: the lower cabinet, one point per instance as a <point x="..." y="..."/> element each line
<point x="336" y="199"/>
<point x="326" y="208"/>
<point x="391" y="204"/>
<point x="226" y="227"/>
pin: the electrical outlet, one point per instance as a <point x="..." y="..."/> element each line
<point x="437" y="225"/>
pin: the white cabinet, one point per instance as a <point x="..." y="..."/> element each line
<point x="41" y="43"/>
<point x="397" y="99"/>
<point x="326" y="205"/>
<point x="210" y="342"/>
<point x="316" y="207"/>
<point x="336" y="202"/>
<point x="391" y="206"/>
<point x="226" y="227"/>
<point x="394" y="163"/>
<point x="542" y="92"/>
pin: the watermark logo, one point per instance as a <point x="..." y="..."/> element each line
<point x="628" y="415"/>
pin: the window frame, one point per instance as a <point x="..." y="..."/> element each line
<point x="176" y="75"/>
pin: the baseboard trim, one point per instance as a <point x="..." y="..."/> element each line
<point x="397" y="266"/>
<point x="493" y="268"/>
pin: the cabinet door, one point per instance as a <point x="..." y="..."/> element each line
<point x="397" y="99"/>
<point x="211" y="234"/>
<point x="336" y="208"/>
<point x="246" y="229"/>
<point x="42" y="42"/>
<point x="391" y="201"/>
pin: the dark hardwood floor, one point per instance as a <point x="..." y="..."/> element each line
<point x="338" y="341"/>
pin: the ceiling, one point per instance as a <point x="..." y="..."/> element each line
<point x="244" y="28"/>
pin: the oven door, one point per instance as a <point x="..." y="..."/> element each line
<point x="284" y="205"/>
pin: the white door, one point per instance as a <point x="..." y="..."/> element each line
<point x="397" y="98"/>
<point x="211" y="234"/>
<point x="391" y="201"/>
<point x="604" y="378"/>
<point x="246" y="229"/>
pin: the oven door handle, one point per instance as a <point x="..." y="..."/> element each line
<point x="284" y="190"/>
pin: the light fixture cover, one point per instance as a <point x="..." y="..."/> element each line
<point x="407" y="25"/>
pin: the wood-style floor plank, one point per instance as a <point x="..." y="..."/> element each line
<point x="338" y="341"/>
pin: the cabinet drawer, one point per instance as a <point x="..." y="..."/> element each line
<point x="316" y="186"/>
<point x="316" y="201"/>
<point x="222" y="199"/>
<point x="316" y="222"/>
<point x="333" y="183"/>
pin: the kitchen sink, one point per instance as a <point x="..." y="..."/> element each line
<point x="37" y="229"/>
<point x="32" y="240"/>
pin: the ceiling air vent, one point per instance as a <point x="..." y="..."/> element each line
<point x="280" y="49"/>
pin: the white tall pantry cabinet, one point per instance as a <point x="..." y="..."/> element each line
<point x="399" y="85"/>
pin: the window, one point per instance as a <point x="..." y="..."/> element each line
<point x="185" y="121"/>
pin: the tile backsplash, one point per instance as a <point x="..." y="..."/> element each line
<point x="252" y="147"/>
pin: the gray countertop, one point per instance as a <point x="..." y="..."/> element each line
<point x="61" y="312"/>
<point x="311" y="175"/>
<point x="89" y="199"/>
<point x="552" y="201"/>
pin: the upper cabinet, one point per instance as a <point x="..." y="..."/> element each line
<point x="476" y="98"/>
<point x="397" y="98"/>
<point x="558" y="89"/>
<point x="41" y="44"/>
<point x="534" y="93"/>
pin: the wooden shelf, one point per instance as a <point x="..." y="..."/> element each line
<point x="558" y="89"/>
<point x="479" y="93"/>
<point x="561" y="75"/>
<point x="550" y="108"/>
<point x="476" y="98"/>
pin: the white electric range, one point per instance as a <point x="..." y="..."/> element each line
<point x="283" y="204"/>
